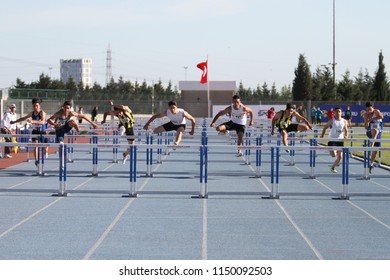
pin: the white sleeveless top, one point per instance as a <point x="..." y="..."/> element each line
<point x="238" y="116"/>
<point x="177" y="118"/>
<point x="376" y="124"/>
<point x="337" y="129"/>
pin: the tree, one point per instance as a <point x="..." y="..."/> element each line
<point x="362" y="86"/>
<point x="20" y="83"/>
<point x="302" y="84"/>
<point x="266" y="92"/>
<point x="244" y="93"/>
<point x="380" y="86"/>
<point x="274" y="92"/>
<point x="345" y="87"/>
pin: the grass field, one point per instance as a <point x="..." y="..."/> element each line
<point x="385" y="156"/>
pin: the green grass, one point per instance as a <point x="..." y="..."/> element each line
<point x="385" y="155"/>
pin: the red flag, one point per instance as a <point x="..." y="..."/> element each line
<point x="203" y="66"/>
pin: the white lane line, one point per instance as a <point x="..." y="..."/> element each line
<point x="95" y="246"/>
<point x="29" y="217"/>
<point x="294" y="224"/>
<point x="370" y="215"/>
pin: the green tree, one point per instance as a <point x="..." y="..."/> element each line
<point x="302" y="84"/>
<point x="266" y="92"/>
<point x="71" y="85"/>
<point x="362" y="86"/>
<point x="20" y="84"/>
<point x="345" y="87"/>
<point x="380" y="86"/>
<point x="245" y="94"/>
<point x="274" y="92"/>
<point x="286" y="93"/>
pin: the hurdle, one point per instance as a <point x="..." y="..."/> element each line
<point x="203" y="171"/>
<point x="63" y="170"/>
<point x="204" y="191"/>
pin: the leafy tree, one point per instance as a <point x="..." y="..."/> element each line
<point x="245" y="94"/>
<point x="257" y="93"/>
<point x="266" y="92"/>
<point x="345" y="87"/>
<point x="20" y="84"/>
<point x="302" y="84"/>
<point x="380" y="86"/>
<point x="286" y="94"/>
<point x="274" y="92"/>
<point x="362" y="86"/>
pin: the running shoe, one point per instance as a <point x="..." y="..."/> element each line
<point x="8" y="156"/>
<point x="239" y="154"/>
<point x="371" y="168"/>
<point x="125" y="158"/>
<point x="333" y="170"/>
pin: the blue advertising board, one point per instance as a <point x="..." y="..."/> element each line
<point x="357" y="112"/>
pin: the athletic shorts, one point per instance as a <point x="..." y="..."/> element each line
<point x="379" y="136"/>
<point x="60" y="132"/>
<point x="39" y="132"/>
<point x="290" y="128"/>
<point x="171" y="126"/>
<point x="130" y="132"/>
<point x="234" y="126"/>
<point x="336" y="143"/>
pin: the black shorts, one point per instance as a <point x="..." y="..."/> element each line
<point x="290" y="128"/>
<point x="234" y="126"/>
<point x="336" y="143"/>
<point x="39" y="132"/>
<point x="171" y="126"/>
<point x="130" y="132"/>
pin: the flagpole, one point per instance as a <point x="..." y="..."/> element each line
<point x="208" y="89"/>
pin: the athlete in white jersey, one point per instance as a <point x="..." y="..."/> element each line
<point x="238" y="119"/>
<point x="338" y="130"/>
<point x="177" y="121"/>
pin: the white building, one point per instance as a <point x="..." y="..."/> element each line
<point x="79" y="69"/>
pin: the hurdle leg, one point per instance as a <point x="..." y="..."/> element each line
<point x="258" y="157"/>
<point x="62" y="171"/>
<point x="345" y="194"/>
<point x="95" y="158"/>
<point x="41" y="159"/>
<point x="132" y="172"/>
<point x="274" y="174"/>
<point x="202" y="173"/>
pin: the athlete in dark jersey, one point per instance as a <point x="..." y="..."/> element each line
<point x="37" y="119"/>
<point x="63" y="121"/>
<point x="126" y="120"/>
<point x="283" y="121"/>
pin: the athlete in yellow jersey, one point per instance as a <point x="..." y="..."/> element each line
<point x="126" y="119"/>
<point x="282" y="120"/>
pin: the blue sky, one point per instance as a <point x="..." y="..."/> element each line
<point x="253" y="41"/>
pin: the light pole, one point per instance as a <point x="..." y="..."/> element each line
<point x="334" y="49"/>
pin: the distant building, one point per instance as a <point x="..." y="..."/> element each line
<point x="194" y="96"/>
<point x="79" y="69"/>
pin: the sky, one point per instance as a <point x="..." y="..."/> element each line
<point x="248" y="41"/>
